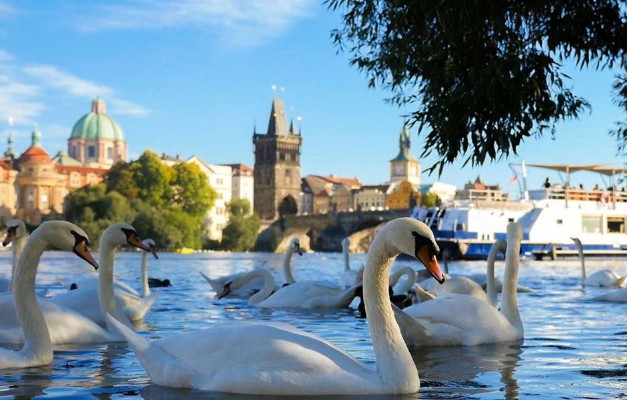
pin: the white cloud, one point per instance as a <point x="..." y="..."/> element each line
<point x="239" y="22"/>
<point x="69" y="83"/>
<point x="24" y="88"/>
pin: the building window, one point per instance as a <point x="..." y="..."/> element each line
<point x="615" y="225"/>
<point x="110" y="153"/>
<point x="91" y="151"/>
<point x="591" y="224"/>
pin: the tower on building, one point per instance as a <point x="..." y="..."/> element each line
<point x="97" y="140"/>
<point x="404" y="167"/>
<point x="277" y="166"/>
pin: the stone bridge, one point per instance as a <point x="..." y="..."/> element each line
<point x="325" y="232"/>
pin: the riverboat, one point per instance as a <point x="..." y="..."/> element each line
<point x="551" y="217"/>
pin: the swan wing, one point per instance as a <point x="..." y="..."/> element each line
<point x="300" y="295"/>
<point x="66" y="326"/>
<point x="467" y="321"/>
<point x="616" y="296"/>
<point x="602" y="278"/>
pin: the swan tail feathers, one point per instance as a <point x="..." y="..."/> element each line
<point x="620" y="282"/>
<point x="212" y="282"/>
<point x="163" y="367"/>
<point x="146" y="304"/>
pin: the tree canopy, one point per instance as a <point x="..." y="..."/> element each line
<point x="483" y="75"/>
<point x="167" y="204"/>
<point x="241" y="232"/>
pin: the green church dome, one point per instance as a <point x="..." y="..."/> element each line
<point x="97" y="124"/>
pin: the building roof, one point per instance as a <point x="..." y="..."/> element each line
<point x="35" y="155"/>
<point x="97" y="124"/>
<point x="240" y="169"/>
<point x="64" y="158"/>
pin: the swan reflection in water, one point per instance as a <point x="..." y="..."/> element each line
<point x="461" y="368"/>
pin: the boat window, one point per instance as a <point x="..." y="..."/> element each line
<point x="615" y="224"/>
<point x="591" y="224"/>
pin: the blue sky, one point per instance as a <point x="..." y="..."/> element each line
<point x="196" y="77"/>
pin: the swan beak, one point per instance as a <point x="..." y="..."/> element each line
<point x="153" y="250"/>
<point x="133" y="240"/>
<point x="431" y="263"/>
<point x="226" y="289"/>
<point x="10" y="236"/>
<point x="82" y="251"/>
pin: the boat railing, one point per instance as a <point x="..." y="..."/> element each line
<point x="600" y="196"/>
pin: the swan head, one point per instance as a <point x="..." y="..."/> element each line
<point x="66" y="236"/>
<point x="122" y="234"/>
<point x="15" y="229"/>
<point x="295" y="245"/>
<point x="415" y="238"/>
<point x="152" y="246"/>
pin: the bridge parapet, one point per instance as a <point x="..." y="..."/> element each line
<point x="323" y="232"/>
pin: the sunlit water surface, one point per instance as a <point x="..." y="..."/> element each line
<point x="574" y="348"/>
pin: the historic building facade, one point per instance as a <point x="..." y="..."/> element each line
<point x="277" y="182"/>
<point x="33" y="186"/>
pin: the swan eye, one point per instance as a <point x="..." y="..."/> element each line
<point x="78" y="239"/>
<point x="12" y="230"/>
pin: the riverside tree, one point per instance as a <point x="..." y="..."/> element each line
<point x="167" y="204"/>
<point x="241" y="232"/>
<point x="482" y="75"/>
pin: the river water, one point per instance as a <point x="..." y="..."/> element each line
<point x="574" y="348"/>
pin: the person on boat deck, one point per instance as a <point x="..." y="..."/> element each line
<point x="596" y="187"/>
<point x="581" y="186"/>
<point x="547" y="184"/>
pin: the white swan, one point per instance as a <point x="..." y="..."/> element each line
<point x="602" y="278"/>
<point x="282" y="360"/>
<point x="147" y="282"/>
<point x="254" y="285"/>
<point x="349" y="276"/>
<point x="305" y="295"/>
<point x="615" y="296"/>
<point x="93" y="302"/>
<point x="468" y="320"/>
<point x="37" y="348"/>
<point x="403" y="286"/>
<point x="17" y="234"/>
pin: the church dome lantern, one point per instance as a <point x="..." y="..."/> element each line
<point x="97" y="124"/>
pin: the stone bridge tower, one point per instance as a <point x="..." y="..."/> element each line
<point x="277" y="167"/>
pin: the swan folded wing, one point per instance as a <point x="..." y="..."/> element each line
<point x="462" y="320"/>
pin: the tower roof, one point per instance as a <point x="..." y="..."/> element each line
<point x="35" y="154"/>
<point x="404" y="144"/>
<point x="278" y="123"/>
<point x="97" y="124"/>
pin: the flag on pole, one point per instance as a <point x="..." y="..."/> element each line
<point x="514" y="179"/>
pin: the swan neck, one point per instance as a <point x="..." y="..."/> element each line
<point x="266" y="289"/>
<point x="408" y="283"/>
<point x="582" y="259"/>
<point x="145" y="286"/>
<point x="287" y="266"/>
<point x="347" y="266"/>
<point x="105" y="283"/>
<point x="394" y="362"/>
<point x="17" y="249"/>
<point x="490" y="279"/>
<point x="31" y="318"/>
<point x="509" y="307"/>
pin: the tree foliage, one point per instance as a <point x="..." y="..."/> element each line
<point x="482" y="75"/>
<point x="241" y="232"/>
<point x="167" y="204"/>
